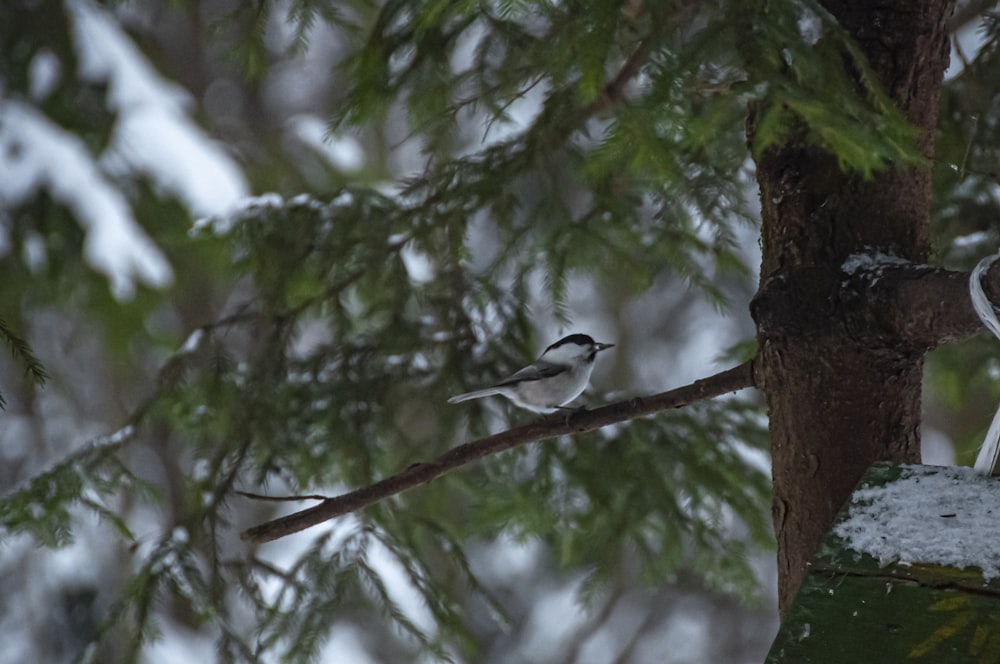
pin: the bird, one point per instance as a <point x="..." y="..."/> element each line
<point x="559" y="375"/>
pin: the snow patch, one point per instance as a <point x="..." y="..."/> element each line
<point x="931" y="514"/>
<point x="153" y="134"/>
<point x="871" y="264"/>
<point x="872" y="260"/>
<point x="44" y="74"/>
<point x="41" y="155"/>
<point x="223" y="224"/>
<point x="972" y="240"/>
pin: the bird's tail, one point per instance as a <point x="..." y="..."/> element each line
<point x="478" y="394"/>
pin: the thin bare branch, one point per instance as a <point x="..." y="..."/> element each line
<point x="614" y="91"/>
<point x="727" y="381"/>
<point x="260" y="496"/>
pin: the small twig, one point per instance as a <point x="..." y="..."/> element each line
<point x="614" y="90"/>
<point x="727" y="381"/>
<point x="273" y="570"/>
<point x="259" y="496"/>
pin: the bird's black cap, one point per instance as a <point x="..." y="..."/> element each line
<point x="580" y="339"/>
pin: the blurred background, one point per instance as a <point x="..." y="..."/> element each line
<point x="243" y="265"/>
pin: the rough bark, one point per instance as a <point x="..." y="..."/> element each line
<point x="924" y="306"/>
<point x="842" y="384"/>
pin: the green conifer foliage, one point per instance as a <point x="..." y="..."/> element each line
<point x="313" y="339"/>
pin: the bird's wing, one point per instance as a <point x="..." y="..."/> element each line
<point x="536" y="371"/>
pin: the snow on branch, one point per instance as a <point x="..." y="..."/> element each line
<point x="41" y="155"/>
<point x="154" y="134"/>
<point x="153" y="137"/>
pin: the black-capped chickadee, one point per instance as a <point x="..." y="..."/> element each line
<point x="559" y="375"/>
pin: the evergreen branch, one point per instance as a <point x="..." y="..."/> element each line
<point x="614" y="90"/>
<point x="20" y="349"/>
<point x="731" y="380"/>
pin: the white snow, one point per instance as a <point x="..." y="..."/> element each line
<point x="153" y="134"/>
<point x="192" y="342"/>
<point x="44" y="74"/>
<point x="871" y="264"/>
<point x="811" y="26"/>
<point x="420" y="268"/>
<point x="119" y="436"/>
<point x="871" y="260"/>
<point x="222" y="224"/>
<point x="39" y="154"/>
<point x="970" y="241"/>
<point x="931" y="514"/>
<point x="33" y="252"/>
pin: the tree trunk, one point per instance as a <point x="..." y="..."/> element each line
<point x="842" y="388"/>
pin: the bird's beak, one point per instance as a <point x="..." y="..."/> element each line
<point x="600" y="346"/>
